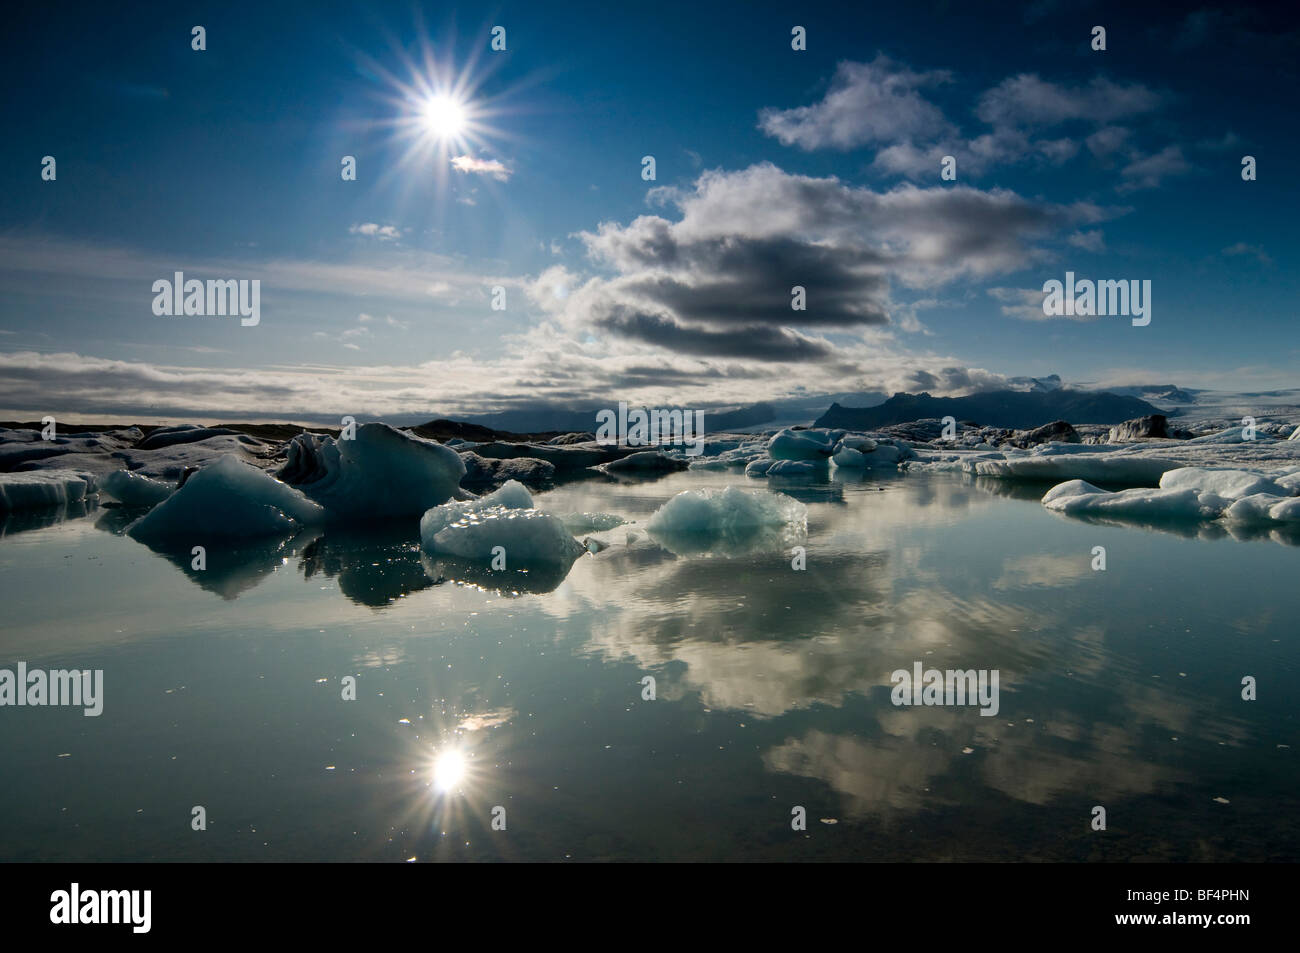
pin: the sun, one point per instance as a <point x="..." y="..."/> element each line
<point x="443" y="117"/>
<point x="449" y="770"/>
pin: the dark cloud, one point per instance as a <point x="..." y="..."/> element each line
<point x="760" y="342"/>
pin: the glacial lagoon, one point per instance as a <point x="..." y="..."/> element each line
<point x="520" y="697"/>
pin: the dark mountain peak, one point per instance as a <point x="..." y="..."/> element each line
<point x="1019" y="410"/>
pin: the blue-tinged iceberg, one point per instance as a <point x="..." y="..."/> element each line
<point x="381" y="473"/>
<point x="228" y="500"/>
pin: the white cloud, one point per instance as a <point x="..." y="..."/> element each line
<point x="1093" y="241"/>
<point x="868" y="103"/>
<point x="476" y="166"/>
<point x="1255" y="251"/>
<point x="386" y="233"/>
<point x="881" y="105"/>
<point x="1027" y="100"/>
<point x="1148" y="172"/>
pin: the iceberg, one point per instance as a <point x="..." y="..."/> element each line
<point x="228" y="500"/>
<point x="506" y="518"/>
<point x="799" y="445"/>
<point x="577" y="523"/>
<point x="861" y="453"/>
<point x="647" y="462"/>
<point x="480" y="471"/>
<point x="1078" y="497"/>
<point x="1109" y="467"/>
<point x="135" y="489"/>
<point x="730" y="521"/>
<point x="1222" y="482"/>
<point x="511" y="495"/>
<point x="528" y="537"/>
<point x="1193" y="493"/>
<point x="44" y="488"/>
<point x="381" y="473"/>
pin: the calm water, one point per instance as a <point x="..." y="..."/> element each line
<point x="222" y="689"/>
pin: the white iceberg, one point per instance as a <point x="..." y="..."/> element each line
<point x="43" y="488"/>
<point x="577" y="523"/>
<point x="381" y="473"/>
<point x="528" y="538"/>
<point x="1221" y="482"/>
<point x="511" y="495"/>
<point x="727" y="521"/>
<point x="1099" y="467"/>
<point x="228" y="500"/>
<point x="863" y="453"/>
<point x="1264" y="508"/>
<point x="1195" y="493"/>
<point x="1078" y="497"/>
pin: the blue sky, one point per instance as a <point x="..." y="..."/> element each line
<point x="774" y="167"/>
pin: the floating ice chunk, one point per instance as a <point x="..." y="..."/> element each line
<point x="512" y="495"/>
<point x="728" y="521"/>
<point x="1188" y="493"/>
<point x="1289" y="480"/>
<point x="878" y="455"/>
<point x="577" y="523"/>
<point x="850" y="458"/>
<point x="647" y="461"/>
<point x="135" y="489"/>
<point x="1264" y="508"/>
<point x="858" y="442"/>
<point x="382" y="472"/>
<point x="227" y="500"/>
<point x="1077" y="497"/>
<point x="1222" y="482"/>
<point x="41" y="488"/>
<point x="1101" y="467"/>
<point x="529" y="537"/>
<point x="486" y="470"/>
<point x="799" y="445"/>
<point x="795" y="468"/>
<point x="1234" y="435"/>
